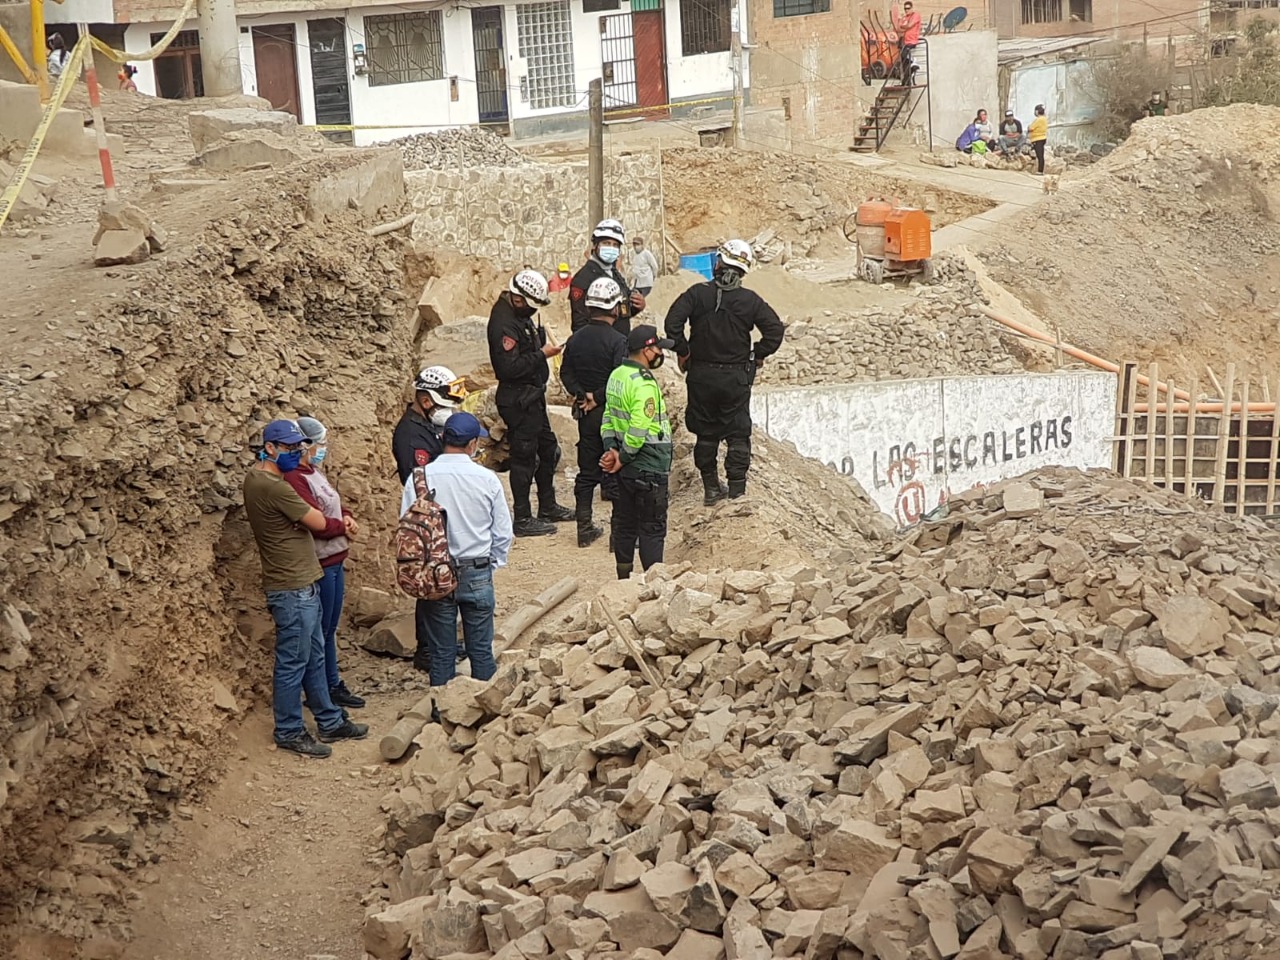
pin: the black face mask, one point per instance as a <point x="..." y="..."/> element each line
<point x="525" y="311"/>
<point x="656" y="362"/>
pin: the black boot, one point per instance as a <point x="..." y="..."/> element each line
<point x="551" y="512"/>
<point x="624" y="570"/>
<point x="588" y="532"/>
<point x="736" y="489"/>
<point x="530" y="526"/>
<point x="713" y="491"/>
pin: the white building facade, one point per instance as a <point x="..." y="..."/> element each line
<point x="393" y="70"/>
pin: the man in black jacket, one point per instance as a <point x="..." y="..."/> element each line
<point x="606" y="247"/>
<point x="416" y="440"/>
<point x="590" y="356"/>
<point x="519" y="351"/>
<point x="720" y="364"/>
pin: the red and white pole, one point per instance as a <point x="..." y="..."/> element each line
<point x="99" y="127"/>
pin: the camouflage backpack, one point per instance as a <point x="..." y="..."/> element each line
<point x="424" y="567"/>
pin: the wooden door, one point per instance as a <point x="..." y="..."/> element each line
<point x="274" y="52"/>
<point x="651" y="61"/>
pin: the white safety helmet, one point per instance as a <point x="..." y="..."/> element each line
<point x="531" y="285"/>
<point x="736" y="254"/>
<point x="608" y="230"/>
<point x="446" y="389"/>
<point x="603" y="294"/>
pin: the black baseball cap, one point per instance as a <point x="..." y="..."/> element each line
<point x="646" y="335"/>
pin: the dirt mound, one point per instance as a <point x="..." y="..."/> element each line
<point x="132" y="622"/>
<point x="1041" y="725"/>
<point x="713" y="193"/>
<point x="1169" y="249"/>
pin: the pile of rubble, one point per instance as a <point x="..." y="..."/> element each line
<point x="459" y="148"/>
<point x="1040" y="728"/>
<point x="941" y="332"/>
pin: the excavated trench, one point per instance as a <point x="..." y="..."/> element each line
<point x="131" y="622"/>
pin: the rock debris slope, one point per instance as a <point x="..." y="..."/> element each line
<point x="1042" y="727"/>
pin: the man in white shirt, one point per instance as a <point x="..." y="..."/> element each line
<point x="645" y="266"/>
<point x="478" y="524"/>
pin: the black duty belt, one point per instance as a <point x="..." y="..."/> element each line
<point x="479" y="563"/>
<point x="722" y="366"/>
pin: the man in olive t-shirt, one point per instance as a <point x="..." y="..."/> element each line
<point x="282" y="523"/>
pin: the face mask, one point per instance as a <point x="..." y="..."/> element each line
<point x="656" y="362"/>
<point x="440" y="416"/>
<point x="525" y="311"/>
<point x="287" y="461"/>
<point x="608" y="254"/>
<point x="318" y="455"/>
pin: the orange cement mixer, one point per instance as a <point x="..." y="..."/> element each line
<point x="892" y="240"/>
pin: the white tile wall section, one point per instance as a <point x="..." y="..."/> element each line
<point x="544" y="42"/>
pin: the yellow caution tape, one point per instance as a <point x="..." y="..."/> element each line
<point x="121" y="56"/>
<point x="610" y="114"/>
<point x="70" y="70"/>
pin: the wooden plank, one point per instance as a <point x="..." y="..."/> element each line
<point x="1190" y="465"/>
<point x="1118" y="445"/>
<point x="1242" y="477"/>
<point x="1275" y="452"/>
<point x="1224" y="432"/>
<point x="1214" y="380"/>
<point x="1153" y="397"/>
<point x="1168" y="440"/>
<point x="1131" y="400"/>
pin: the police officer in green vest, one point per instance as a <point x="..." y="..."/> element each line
<point x="637" y="440"/>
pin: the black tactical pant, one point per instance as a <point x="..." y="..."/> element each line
<point x="534" y="454"/>
<point x="590" y="450"/>
<point x="737" y="457"/>
<point x="720" y="410"/>
<point x="640" y="517"/>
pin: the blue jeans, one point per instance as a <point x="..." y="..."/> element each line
<point x="333" y="589"/>
<point x="474" y="600"/>
<point x="299" y="662"/>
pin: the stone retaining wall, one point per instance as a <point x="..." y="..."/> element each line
<point x="533" y="215"/>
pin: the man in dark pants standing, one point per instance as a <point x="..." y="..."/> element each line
<point x="720" y="364"/>
<point x="519" y="352"/>
<point x="606" y="246"/>
<point x="637" y="440"/>
<point x="590" y="356"/>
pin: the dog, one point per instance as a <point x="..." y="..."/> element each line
<point x="1050" y="184"/>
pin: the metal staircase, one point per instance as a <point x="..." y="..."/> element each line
<point x="895" y="104"/>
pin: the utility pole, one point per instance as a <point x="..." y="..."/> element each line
<point x="735" y="49"/>
<point x="595" y="154"/>
<point x="220" y="48"/>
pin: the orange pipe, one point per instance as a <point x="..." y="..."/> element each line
<point x="1205" y="407"/>
<point x="1034" y="334"/>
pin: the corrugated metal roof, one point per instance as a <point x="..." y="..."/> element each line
<point x="1023" y="48"/>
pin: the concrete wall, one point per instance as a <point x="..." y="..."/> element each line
<point x="1123" y="19"/>
<point x="910" y="443"/>
<point x="20" y="114"/>
<point x="16" y="19"/>
<point x="534" y="214"/>
<point x="962" y="79"/>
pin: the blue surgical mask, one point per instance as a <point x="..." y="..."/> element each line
<point x="286" y="460"/>
<point x="608" y="254"/>
<point x="318" y="455"/>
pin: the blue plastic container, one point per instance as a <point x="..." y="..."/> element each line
<point x="699" y="262"/>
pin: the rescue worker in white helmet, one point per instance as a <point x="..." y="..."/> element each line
<point x="720" y="363"/>
<point x="590" y="356"/>
<point x="519" y="351"/>
<point x="417" y="437"/>
<point x="606" y="247"/>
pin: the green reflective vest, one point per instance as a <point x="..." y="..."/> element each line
<point x="635" y="421"/>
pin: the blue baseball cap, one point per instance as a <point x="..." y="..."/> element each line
<point x="282" y="431"/>
<point x="461" y="428"/>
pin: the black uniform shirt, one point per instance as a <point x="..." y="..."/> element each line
<point x="515" y="351"/>
<point x="590" y="356"/>
<point x="723" y="334"/>
<point x="415" y="442"/>
<point x="579" y="315"/>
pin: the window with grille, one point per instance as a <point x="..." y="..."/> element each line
<point x="800" y="8"/>
<point x="544" y="34"/>
<point x="704" y="26"/>
<point x="404" y="48"/>
<point x="1041" y="11"/>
